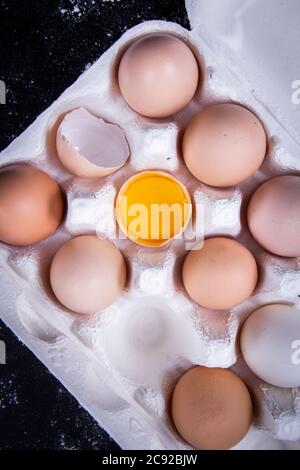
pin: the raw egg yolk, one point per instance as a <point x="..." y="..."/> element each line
<point x="152" y="208"/>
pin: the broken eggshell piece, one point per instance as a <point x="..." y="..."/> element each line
<point x="89" y="147"/>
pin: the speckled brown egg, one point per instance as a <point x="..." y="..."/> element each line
<point x="224" y="144"/>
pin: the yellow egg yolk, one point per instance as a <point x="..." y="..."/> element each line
<point x="152" y="208"/>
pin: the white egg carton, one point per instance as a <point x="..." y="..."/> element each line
<point x="122" y="363"/>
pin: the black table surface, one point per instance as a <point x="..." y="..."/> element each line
<point x="45" y="45"/>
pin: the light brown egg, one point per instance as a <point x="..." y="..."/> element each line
<point x="87" y="274"/>
<point x="224" y="144"/>
<point x="31" y="205"/>
<point x="211" y="408"/>
<point x="158" y="75"/>
<point x="274" y="215"/>
<point x="220" y="275"/>
<point x="89" y="147"/>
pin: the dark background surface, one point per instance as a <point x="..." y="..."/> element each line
<point x="44" y="46"/>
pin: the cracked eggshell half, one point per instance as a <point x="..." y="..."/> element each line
<point x="89" y="147"/>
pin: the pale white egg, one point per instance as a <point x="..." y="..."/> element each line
<point x="270" y="344"/>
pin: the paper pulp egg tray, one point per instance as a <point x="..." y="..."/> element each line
<point x="122" y="363"/>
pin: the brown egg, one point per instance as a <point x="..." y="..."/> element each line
<point x="211" y="408"/>
<point x="87" y="274"/>
<point x="31" y="205"/>
<point x="220" y="275"/>
<point x="224" y="144"/>
<point x="158" y="75"/>
<point x="274" y="215"/>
